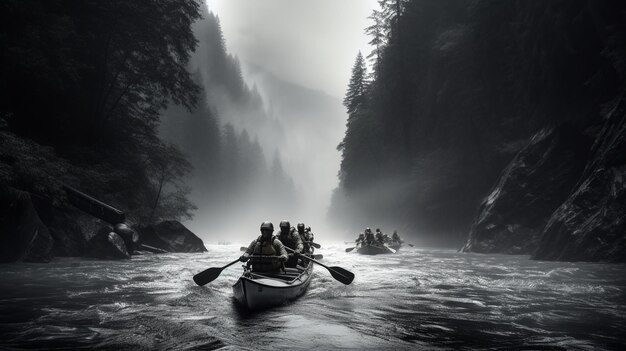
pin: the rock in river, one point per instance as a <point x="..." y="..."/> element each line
<point x="107" y="244"/>
<point x="170" y="236"/>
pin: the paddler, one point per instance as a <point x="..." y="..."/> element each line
<point x="369" y="236"/>
<point x="266" y="245"/>
<point x="292" y="240"/>
<point x="379" y="236"/>
<point x="306" y="237"/>
<point x="360" y="240"/>
<point x="395" y="237"/>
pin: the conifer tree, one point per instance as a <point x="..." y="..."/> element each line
<point x="355" y="96"/>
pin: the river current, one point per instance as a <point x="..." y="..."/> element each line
<point x="417" y="298"/>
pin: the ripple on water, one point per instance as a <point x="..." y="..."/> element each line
<point x="418" y="298"/>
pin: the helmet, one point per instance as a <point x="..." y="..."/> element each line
<point x="378" y="229"/>
<point x="300" y="227"/>
<point x="284" y="224"/>
<point x="267" y="225"/>
<point x="308" y="229"/>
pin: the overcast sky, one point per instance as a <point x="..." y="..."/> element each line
<point x="309" y="42"/>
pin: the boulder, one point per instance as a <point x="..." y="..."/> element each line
<point x="591" y="224"/>
<point x="530" y="189"/>
<point x="130" y="237"/>
<point x="23" y="236"/>
<point x="170" y="236"/>
<point x="69" y="230"/>
<point x="106" y="244"/>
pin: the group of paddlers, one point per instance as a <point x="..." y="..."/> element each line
<point x="378" y="238"/>
<point x="267" y="253"/>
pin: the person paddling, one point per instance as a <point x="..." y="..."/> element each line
<point x="292" y="240"/>
<point x="266" y="245"/>
<point x="306" y="237"/>
<point x="396" y="238"/>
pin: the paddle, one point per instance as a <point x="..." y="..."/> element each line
<point x="315" y="245"/>
<point x="342" y="275"/>
<point x="350" y="249"/>
<point x="210" y="274"/>
<point x="411" y="245"/>
<point x="243" y="248"/>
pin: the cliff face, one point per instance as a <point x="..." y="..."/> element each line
<point x="531" y="187"/>
<point x="590" y="225"/>
<point x="561" y="197"/>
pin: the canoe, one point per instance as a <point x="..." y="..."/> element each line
<point x="256" y="290"/>
<point x="373" y="250"/>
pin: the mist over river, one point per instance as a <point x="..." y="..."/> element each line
<point x="417" y="298"/>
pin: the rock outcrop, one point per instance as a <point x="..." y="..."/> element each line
<point x="170" y="236"/>
<point x="23" y="236"/>
<point x="107" y="244"/>
<point x="591" y="224"/>
<point x="561" y="198"/>
<point x="130" y="237"/>
<point x="532" y="186"/>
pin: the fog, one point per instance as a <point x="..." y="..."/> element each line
<point x="294" y="60"/>
<point x="310" y="43"/>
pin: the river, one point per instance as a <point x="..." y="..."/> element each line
<point x="416" y="299"/>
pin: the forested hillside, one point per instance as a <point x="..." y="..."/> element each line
<point x="231" y="142"/>
<point x="456" y="89"/>
<point x="135" y="104"/>
<point x="83" y="85"/>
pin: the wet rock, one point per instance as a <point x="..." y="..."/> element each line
<point x="530" y="189"/>
<point x="170" y="236"/>
<point x="23" y="236"/>
<point x="130" y="237"/>
<point x="106" y="244"/>
<point x="68" y="228"/>
<point x="591" y="224"/>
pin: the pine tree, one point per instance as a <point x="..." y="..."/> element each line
<point x="378" y="32"/>
<point x="355" y="96"/>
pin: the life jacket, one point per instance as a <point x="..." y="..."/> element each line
<point x="288" y="240"/>
<point x="265" y="249"/>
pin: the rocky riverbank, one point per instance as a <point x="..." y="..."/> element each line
<point x="31" y="230"/>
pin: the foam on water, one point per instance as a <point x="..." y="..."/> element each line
<point x="417" y="298"/>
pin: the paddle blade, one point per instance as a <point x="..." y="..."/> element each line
<point x="350" y="249"/>
<point x="243" y="248"/>
<point x="411" y="245"/>
<point x="342" y="275"/>
<point x="318" y="257"/>
<point x="316" y="245"/>
<point x="207" y="275"/>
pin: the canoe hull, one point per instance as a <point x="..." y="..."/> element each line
<point x="257" y="292"/>
<point x="373" y="250"/>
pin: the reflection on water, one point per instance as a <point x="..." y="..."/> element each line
<point x="417" y="298"/>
